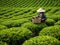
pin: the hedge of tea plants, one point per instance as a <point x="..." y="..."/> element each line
<point x="34" y="27"/>
<point x="42" y="40"/>
<point x="16" y="27"/>
<point x="50" y="22"/>
<point x="30" y="3"/>
<point x="15" y="36"/>
<point x="2" y="27"/>
<point x="3" y="43"/>
<point x="12" y="19"/>
<point x="53" y="31"/>
<point x="57" y="23"/>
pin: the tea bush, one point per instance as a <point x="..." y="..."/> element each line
<point x="53" y="31"/>
<point x="17" y="13"/>
<point x="14" y="23"/>
<point x="57" y="23"/>
<point x="15" y="36"/>
<point x="2" y="27"/>
<point x="3" y="43"/>
<point x="54" y="17"/>
<point x="42" y="40"/>
<point x="29" y="3"/>
<point x="34" y="27"/>
<point x="50" y="22"/>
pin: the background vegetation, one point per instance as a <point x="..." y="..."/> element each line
<point x="16" y="27"/>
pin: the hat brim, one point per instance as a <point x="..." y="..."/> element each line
<point x="40" y="10"/>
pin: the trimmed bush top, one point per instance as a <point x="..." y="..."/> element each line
<point x="54" y="17"/>
<point x="3" y="43"/>
<point x="51" y="31"/>
<point x="42" y="40"/>
<point x="2" y="27"/>
<point x="30" y="3"/>
<point x="57" y="23"/>
<point x="14" y="23"/>
<point x="50" y="22"/>
<point x="15" y="34"/>
<point x="34" y="27"/>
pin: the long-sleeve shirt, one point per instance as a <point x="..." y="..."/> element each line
<point x="42" y="15"/>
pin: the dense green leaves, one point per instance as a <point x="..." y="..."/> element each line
<point x="42" y="40"/>
<point x="20" y="27"/>
<point x="14" y="36"/>
<point x="2" y="27"/>
<point x="53" y="31"/>
<point x="54" y="17"/>
<point x="29" y="3"/>
<point x="14" y="23"/>
<point x="50" y="22"/>
<point x="34" y="27"/>
<point x="3" y="43"/>
<point x="57" y="23"/>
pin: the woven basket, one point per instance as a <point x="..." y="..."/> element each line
<point x="36" y="20"/>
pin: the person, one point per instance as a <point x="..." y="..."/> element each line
<point x="41" y="14"/>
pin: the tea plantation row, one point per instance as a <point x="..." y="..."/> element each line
<point x="30" y="3"/>
<point x="16" y="27"/>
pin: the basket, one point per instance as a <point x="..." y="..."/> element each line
<point x="36" y="20"/>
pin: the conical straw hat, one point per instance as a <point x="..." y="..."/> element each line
<point x="40" y="10"/>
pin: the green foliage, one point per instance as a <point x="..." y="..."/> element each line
<point x="3" y="43"/>
<point x="16" y="13"/>
<point x="57" y="23"/>
<point x="2" y="27"/>
<point x="29" y="3"/>
<point x="42" y="40"/>
<point x="54" y="17"/>
<point x="15" y="36"/>
<point x="34" y="27"/>
<point x="14" y="23"/>
<point x="50" y="22"/>
<point x="53" y="31"/>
